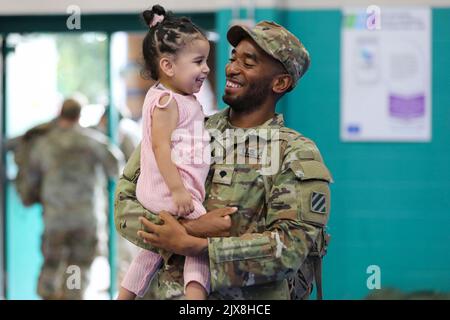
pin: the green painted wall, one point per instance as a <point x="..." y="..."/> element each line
<point x="23" y="228"/>
<point x="390" y="201"/>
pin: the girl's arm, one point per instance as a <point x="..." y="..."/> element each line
<point x="164" y="122"/>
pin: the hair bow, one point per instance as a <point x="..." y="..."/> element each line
<point x="156" y="19"/>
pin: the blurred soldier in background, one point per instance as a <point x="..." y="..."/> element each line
<point x="129" y="135"/>
<point x="129" y="132"/>
<point x="68" y="165"/>
<point x="21" y="147"/>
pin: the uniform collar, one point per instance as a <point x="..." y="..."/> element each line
<point x="224" y="121"/>
<point x="267" y="131"/>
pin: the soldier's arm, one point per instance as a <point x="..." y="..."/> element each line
<point x="11" y="144"/>
<point x="293" y="223"/>
<point x="33" y="172"/>
<point x="127" y="146"/>
<point x="112" y="160"/>
<point x="127" y="209"/>
<point x="107" y="154"/>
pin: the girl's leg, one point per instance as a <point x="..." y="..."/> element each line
<point x="196" y="269"/>
<point x="196" y="277"/>
<point x="140" y="273"/>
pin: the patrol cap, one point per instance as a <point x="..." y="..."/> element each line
<point x="277" y="42"/>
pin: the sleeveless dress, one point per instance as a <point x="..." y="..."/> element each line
<point x="191" y="155"/>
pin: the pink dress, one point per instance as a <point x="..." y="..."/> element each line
<point x="192" y="156"/>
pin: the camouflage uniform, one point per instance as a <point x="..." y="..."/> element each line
<point x="278" y="233"/>
<point x="65" y="165"/>
<point x="274" y="230"/>
<point x="21" y="147"/>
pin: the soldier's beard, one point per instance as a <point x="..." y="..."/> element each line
<point x="253" y="98"/>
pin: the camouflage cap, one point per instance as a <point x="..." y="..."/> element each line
<point x="278" y="42"/>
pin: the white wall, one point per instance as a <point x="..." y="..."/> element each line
<point x="25" y="7"/>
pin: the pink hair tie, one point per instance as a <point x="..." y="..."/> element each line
<point x="156" y="19"/>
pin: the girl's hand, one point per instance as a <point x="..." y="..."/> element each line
<point x="183" y="201"/>
<point x="216" y="223"/>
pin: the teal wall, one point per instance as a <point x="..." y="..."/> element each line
<point x="390" y="201"/>
<point x="24" y="260"/>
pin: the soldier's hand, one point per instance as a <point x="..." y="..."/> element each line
<point x="216" y="223"/>
<point x="172" y="236"/>
<point x="183" y="201"/>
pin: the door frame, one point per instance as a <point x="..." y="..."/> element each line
<point x="2" y="172"/>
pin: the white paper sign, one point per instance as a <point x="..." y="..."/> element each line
<point x="385" y="74"/>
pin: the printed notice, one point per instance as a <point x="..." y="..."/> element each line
<point x="385" y="74"/>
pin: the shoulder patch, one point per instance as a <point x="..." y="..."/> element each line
<point x="318" y="202"/>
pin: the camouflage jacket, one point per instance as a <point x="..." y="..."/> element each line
<point x="68" y="167"/>
<point x="280" y="221"/>
<point x="22" y="146"/>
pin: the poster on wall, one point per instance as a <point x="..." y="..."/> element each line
<point x="386" y="74"/>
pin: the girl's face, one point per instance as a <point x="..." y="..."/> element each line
<point x="190" y="68"/>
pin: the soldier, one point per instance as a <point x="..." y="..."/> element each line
<point x="129" y="132"/>
<point x="64" y="166"/>
<point x="128" y="138"/>
<point x="271" y="248"/>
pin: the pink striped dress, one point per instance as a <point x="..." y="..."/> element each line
<point x="192" y="156"/>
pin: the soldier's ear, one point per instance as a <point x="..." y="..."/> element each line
<point x="281" y="83"/>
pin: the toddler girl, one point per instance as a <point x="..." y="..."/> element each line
<point x="175" y="53"/>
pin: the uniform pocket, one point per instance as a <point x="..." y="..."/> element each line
<point x="313" y="190"/>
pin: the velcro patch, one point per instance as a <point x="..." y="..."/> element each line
<point x="318" y="202"/>
<point x="223" y="175"/>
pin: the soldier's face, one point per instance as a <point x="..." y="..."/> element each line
<point x="249" y="77"/>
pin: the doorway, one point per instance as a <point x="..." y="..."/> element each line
<point x="43" y="69"/>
